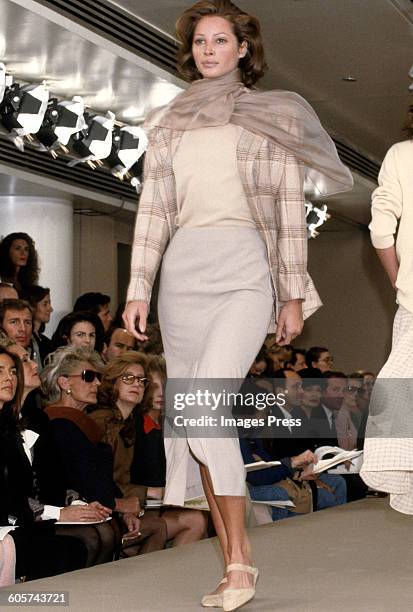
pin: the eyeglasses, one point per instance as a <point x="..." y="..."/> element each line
<point x="129" y="379"/>
<point x="89" y="376"/>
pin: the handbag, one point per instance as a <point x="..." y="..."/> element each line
<point x="300" y="494"/>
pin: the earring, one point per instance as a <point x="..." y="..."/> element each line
<point x="68" y="391"/>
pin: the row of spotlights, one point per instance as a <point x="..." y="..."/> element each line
<point x="28" y="111"/>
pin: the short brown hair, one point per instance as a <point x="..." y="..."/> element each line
<point x="12" y="304"/>
<point x="245" y="27"/>
<point x="408" y="127"/>
<point x="107" y="394"/>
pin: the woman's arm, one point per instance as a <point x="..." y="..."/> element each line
<point x="152" y="232"/>
<point x="291" y="248"/>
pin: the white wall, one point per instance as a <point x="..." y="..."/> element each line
<point x="48" y="220"/>
<point x="359" y="304"/>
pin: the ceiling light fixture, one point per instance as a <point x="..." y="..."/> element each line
<point x="129" y="145"/>
<point x="22" y="110"/>
<point x="315" y="216"/>
<point x="349" y="78"/>
<point x="94" y="142"/>
<point x="62" y="120"/>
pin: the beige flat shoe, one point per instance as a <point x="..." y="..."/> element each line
<point x="232" y="599"/>
<point x="215" y="599"/>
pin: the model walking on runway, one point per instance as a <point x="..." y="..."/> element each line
<point x="388" y="447"/>
<point x="223" y="194"/>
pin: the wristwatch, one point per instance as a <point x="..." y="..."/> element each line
<point x="141" y="513"/>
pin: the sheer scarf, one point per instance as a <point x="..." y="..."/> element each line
<point x="282" y="117"/>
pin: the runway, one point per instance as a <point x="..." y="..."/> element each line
<point x="357" y="557"/>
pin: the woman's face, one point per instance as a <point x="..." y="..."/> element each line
<point x="82" y="391"/>
<point x="8" y="379"/>
<point x="157" y="397"/>
<point x="44" y="310"/>
<point x="83" y="334"/>
<point x="19" y="252"/>
<point x="129" y="389"/>
<point x="30" y="368"/>
<point x="215" y="48"/>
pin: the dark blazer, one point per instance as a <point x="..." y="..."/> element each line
<point x="149" y="464"/>
<point x="267" y="476"/>
<point x="87" y="468"/>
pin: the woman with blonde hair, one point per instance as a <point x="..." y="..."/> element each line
<point x="223" y="192"/>
<point x="70" y="381"/>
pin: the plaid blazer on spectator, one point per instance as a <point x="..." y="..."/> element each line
<point x="273" y="183"/>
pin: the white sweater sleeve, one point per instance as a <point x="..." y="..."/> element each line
<point x="386" y="203"/>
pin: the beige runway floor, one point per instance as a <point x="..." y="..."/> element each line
<point x="358" y="557"/>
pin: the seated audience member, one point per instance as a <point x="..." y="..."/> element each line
<point x="29" y="402"/>
<point x="46" y="472"/>
<point x="184" y="525"/>
<point x="259" y="365"/>
<point x="8" y="292"/>
<point x="297" y="362"/>
<point x="16" y="321"/>
<point x="277" y="356"/>
<point x="70" y="381"/>
<point x="18" y="500"/>
<point x="39" y="300"/>
<point x="328" y="489"/>
<point x="349" y="416"/>
<point x="319" y="357"/>
<point x="7" y="561"/>
<point x="118" y="340"/>
<point x="331" y="401"/>
<point x="272" y="484"/>
<point x="81" y="330"/>
<point x="18" y="261"/>
<point x="98" y="303"/>
<point x="119" y="396"/>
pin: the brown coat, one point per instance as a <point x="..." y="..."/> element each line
<point x="121" y="436"/>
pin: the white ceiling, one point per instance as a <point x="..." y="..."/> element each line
<point x="310" y="44"/>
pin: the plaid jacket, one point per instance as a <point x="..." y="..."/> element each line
<point x="273" y="183"/>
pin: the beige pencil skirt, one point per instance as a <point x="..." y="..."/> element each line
<point x="215" y="304"/>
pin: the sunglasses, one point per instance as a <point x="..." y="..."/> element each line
<point x="129" y="379"/>
<point x="89" y="376"/>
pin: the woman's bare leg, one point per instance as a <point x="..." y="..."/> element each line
<point x="228" y="516"/>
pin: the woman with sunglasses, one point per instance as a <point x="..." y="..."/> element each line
<point x="122" y="390"/>
<point x="70" y="381"/>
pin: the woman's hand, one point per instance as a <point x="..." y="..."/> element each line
<point x="133" y="525"/>
<point x="136" y="311"/>
<point x="290" y="322"/>
<point x="85" y="512"/>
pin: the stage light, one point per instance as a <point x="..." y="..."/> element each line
<point x="62" y="120"/>
<point x="315" y="217"/>
<point x="23" y="108"/>
<point x="94" y="142"/>
<point x="128" y="147"/>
